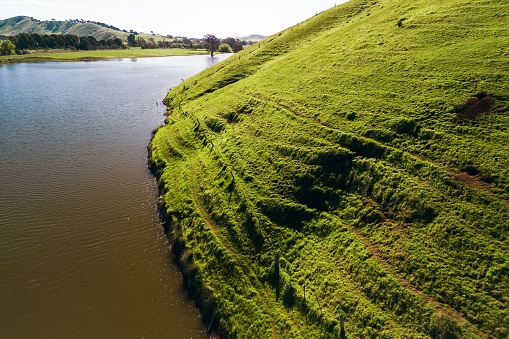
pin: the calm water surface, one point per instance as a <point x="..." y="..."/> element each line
<point x="82" y="254"/>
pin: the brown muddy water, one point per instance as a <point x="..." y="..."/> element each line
<point x="82" y="252"/>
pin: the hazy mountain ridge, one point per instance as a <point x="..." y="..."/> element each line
<point x="252" y="37"/>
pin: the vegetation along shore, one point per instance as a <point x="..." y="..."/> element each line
<point x="29" y="40"/>
<point x="64" y="55"/>
<point x="348" y="177"/>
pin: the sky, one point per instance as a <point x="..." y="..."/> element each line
<point x="189" y="18"/>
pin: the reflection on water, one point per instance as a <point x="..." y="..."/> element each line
<point x="82" y="253"/>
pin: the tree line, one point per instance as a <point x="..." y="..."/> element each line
<point x="209" y="42"/>
<point x="34" y="41"/>
<point x="25" y="41"/>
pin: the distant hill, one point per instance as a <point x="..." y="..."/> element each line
<point x="99" y="30"/>
<point x="252" y="37"/>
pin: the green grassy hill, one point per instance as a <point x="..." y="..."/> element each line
<point x="354" y="167"/>
<point x="23" y="24"/>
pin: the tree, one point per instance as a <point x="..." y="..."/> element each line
<point x="187" y="42"/>
<point x="235" y="44"/>
<point x="118" y="42"/>
<point x="49" y="41"/>
<point x="141" y="42"/>
<point x="38" y="40"/>
<point x="59" y="40"/>
<point x="72" y="41"/>
<point x="225" y="48"/>
<point x="7" y="48"/>
<point x="211" y="43"/>
<point x="151" y="43"/>
<point x="84" y="43"/>
<point x="92" y="42"/>
<point x="131" y="40"/>
<point x="14" y="40"/>
<point x="25" y="41"/>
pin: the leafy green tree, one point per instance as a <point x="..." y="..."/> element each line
<point x="141" y="42"/>
<point x="235" y="44"/>
<point x="118" y="42"/>
<point x="72" y="41"/>
<point x="7" y="47"/>
<point x="211" y="43"/>
<point x="38" y="40"/>
<point x="187" y="42"/>
<point x="151" y="43"/>
<point x="59" y="40"/>
<point x="92" y="42"/>
<point x="225" y="48"/>
<point x="84" y="43"/>
<point x="25" y="41"/>
<point x="131" y="40"/>
<point x="14" y="40"/>
<point x="49" y="41"/>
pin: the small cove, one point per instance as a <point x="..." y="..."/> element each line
<point x="82" y="252"/>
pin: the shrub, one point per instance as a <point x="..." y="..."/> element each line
<point x="289" y="294"/>
<point x="225" y="48"/>
<point x="7" y="48"/>
<point x="444" y="327"/>
<point x="404" y="126"/>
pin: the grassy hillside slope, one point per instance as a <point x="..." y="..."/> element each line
<point x="23" y="24"/>
<point x="353" y="168"/>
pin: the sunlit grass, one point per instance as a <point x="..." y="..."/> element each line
<point x="343" y="145"/>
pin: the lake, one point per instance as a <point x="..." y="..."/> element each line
<point x="82" y="251"/>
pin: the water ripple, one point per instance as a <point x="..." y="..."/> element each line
<point x="81" y="249"/>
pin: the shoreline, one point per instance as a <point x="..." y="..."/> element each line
<point x="200" y="294"/>
<point x="76" y="56"/>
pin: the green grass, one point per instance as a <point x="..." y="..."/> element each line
<point x="339" y="144"/>
<point x="98" y="54"/>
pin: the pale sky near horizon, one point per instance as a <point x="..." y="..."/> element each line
<point x="192" y="19"/>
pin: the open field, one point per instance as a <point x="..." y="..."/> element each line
<point x="98" y="54"/>
<point x="353" y="168"/>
